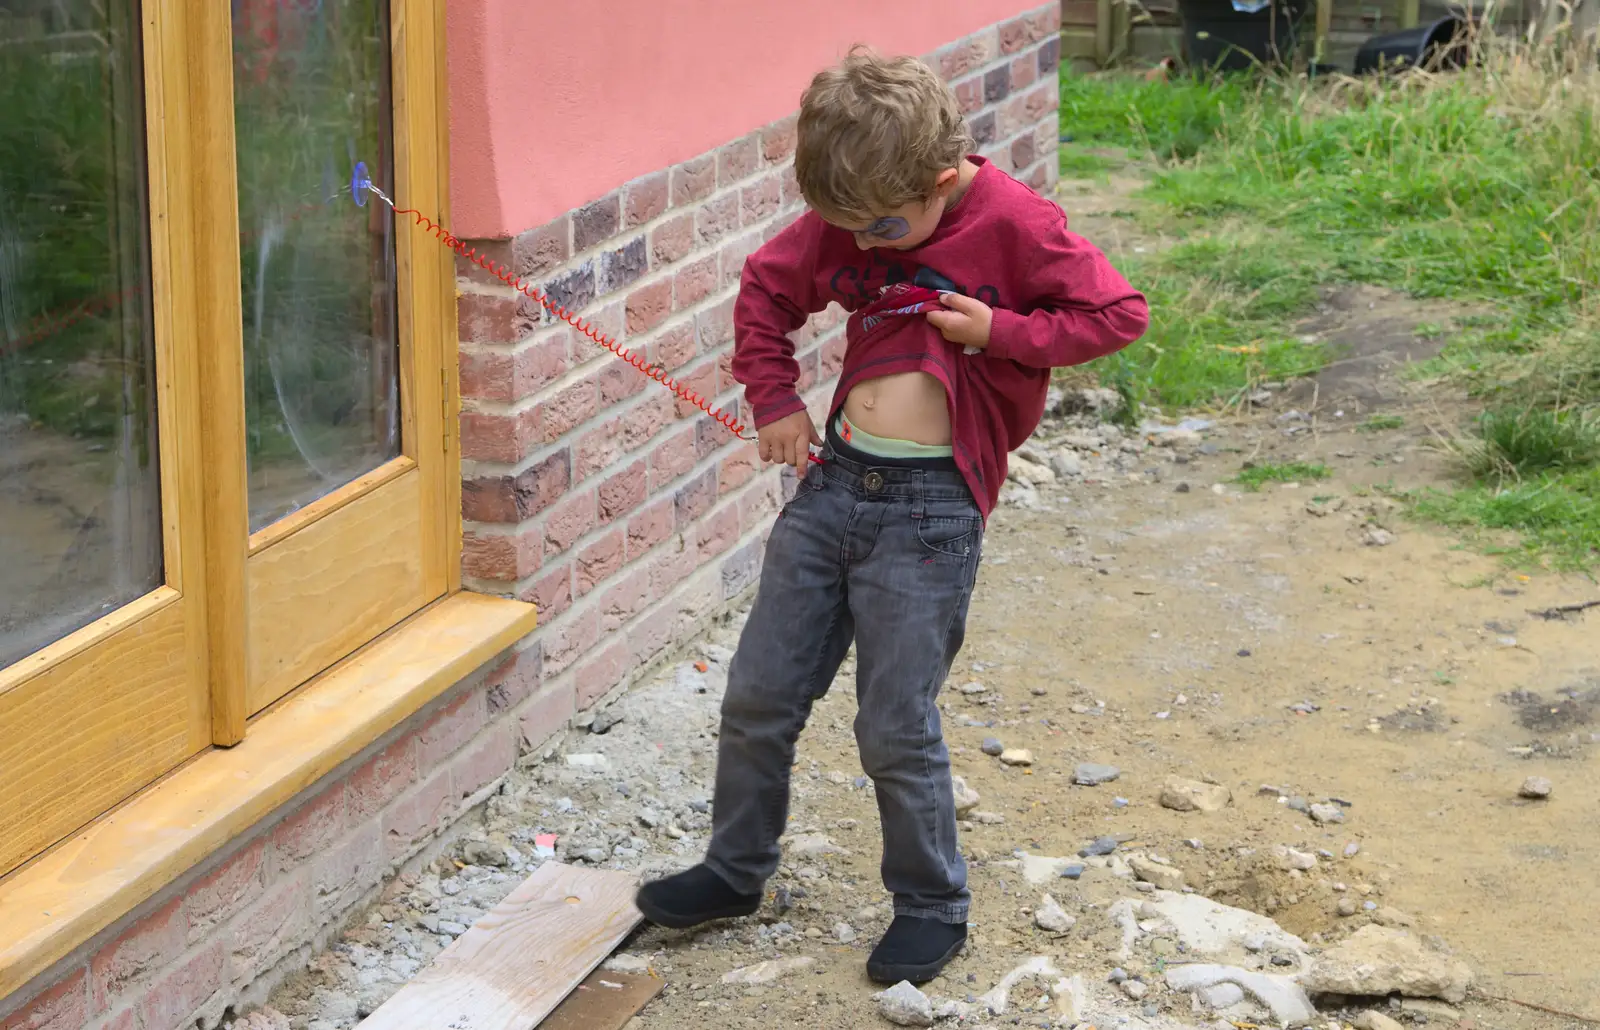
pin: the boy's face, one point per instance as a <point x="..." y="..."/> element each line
<point x="906" y="227"/>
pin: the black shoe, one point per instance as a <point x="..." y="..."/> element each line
<point x="692" y="897"/>
<point x="915" y="949"/>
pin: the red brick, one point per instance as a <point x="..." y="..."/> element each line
<point x="281" y="920"/>
<point x="1042" y="101"/>
<point x="676" y="346"/>
<point x="694" y="499"/>
<point x="551" y="593"/>
<point x="694" y="180"/>
<point x="703" y="381"/>
<point x="547" y="714"/>
<point x="694" y="603"/>
<point x="757" y="506"/>
<point x="649" y="306"/>
<point x="488" y="759"/>
<point x="622" y="493"/>
<point x="738" y="160"/>
<point x="694" y="283"/>
<point x="496" y="437"/>
<point x="567" y="639"/>
<point x="649" y="528"/>
<point x="1020" y="33"/>
<point x="570" y="408"/>
<point x="598" y="676"/>
<point x="450" y="728"/>
<point x="778" y="140"/>
<point x="346" y="873"/>
<point x="487" y="375"/>
<point x="646" y="199"/>
<point x="408" y="823"/>
<point x="733" y="255"/>
<point x="595" y="223"/>
<point x="623" y="266"/>
<point x="761" y="199"/>
<point x="718" y="217"/>
<point x="672" y="240"/>
<point x="1039" y="178"/>
<point x="600" y="561"/>
<point x="710" y="437"/>
<point x="717" y="533"/>
<point x="1022" y="151"/>
<point x="607" y="322"/>
<point x="138" y="951"/>
<point x="541" y="362"/>
<point x="643" y="421"/>
<point x="498" y="253"/>
<point x="309" y="831"/>
<point x="809" y="368"/>
<point x="791" y="191"/>
<point x="833" y="350"/>
<point x="172" y="1003"/>
<point x="499" y="557"/>
<point x="221" y="894"/>
<point x="540" y="251"/>
<point x="381" y="779"/>
<point x="738" y="468"/>
<point x="1049" y="54"/>
<point x="1024" y="71"/>
<point x="568" y="521"/>
<point x="715" y="325"/>
<point x="514" y="680"/>
<point x="673" y="566"/>
<point x="487" y="317"/>
<point x="599" y="448"/>
<point x="968" y="55"/>
<point x="63" y="1007"/>
<point x="651" y="637"/>
<point x="618" y="381"/>
<point x="509" y="499"/>
<point x="673" y="457"/>
<point x="624" y="599"/>
<point x="969" y="94"/>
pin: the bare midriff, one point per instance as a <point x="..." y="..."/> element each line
<point x="905" y="406"/>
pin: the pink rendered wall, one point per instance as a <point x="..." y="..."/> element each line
<point x="553" y="103"/>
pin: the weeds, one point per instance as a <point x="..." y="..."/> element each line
<point x="1254" y="477"/>
<point x="1380" y="423"/>
<point x="1479" y="187"/>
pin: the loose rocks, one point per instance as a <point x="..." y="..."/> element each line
<point x="1051" y="917"/>
<point x="1016" y="756"/>
<point x="1535" y="788"/>
<point x="966" y="798"/>
<point x="1092" y="774"/>
<point x="1378" y="961"/>
<point x="1183" y="795"/>
<point x="767" y="972"/>
<point x="904" y="1005"/>
<point x="1165" y="877"/>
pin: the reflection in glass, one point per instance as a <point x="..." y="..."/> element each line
<point x="80" y="515"/>
<point x="311" y="89"/>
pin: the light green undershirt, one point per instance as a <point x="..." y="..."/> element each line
<point x="880" y="447"/>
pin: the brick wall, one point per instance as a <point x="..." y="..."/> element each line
<point x="628" y="518"/>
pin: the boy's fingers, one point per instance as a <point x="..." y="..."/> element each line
<point x="959" y="302"/>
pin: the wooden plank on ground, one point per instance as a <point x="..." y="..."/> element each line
<point x="605" y="1001"/>
<point x="515" y="965"/>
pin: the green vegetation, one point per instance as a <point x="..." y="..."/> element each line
<point x="1254" y="477"/>
<point x="1379" y="423"/>
<point x="1481" y="188"/>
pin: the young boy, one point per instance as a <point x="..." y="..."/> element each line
<point x="966" y="290"/>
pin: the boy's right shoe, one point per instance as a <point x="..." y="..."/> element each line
<point x="692" y="897"/>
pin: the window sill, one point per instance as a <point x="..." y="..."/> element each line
<point x="63" y="898"/>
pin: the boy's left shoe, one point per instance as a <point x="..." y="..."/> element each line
<point x="915" y="949"/>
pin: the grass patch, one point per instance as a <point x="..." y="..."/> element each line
<point x="1085" y="164"/>
<point x="1550" y="521"/>
<point x="1254" y="477"/>
<point x="1381" y="423"/>
<point x="1480" y="187"/>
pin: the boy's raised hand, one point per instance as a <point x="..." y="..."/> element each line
<point x="788" y="441"/>
<point x="967" y="322"/>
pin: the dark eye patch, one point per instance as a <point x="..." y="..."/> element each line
<point x="891" y="228"/>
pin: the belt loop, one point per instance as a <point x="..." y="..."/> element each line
<point x="918" y="501"/>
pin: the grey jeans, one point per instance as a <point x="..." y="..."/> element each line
<point x="886" y="557"/>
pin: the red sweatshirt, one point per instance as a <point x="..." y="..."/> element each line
<point x="1057" y="301"/>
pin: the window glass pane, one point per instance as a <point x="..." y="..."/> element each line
<point x="80" y="516"/>
<point x="312" y="100"/>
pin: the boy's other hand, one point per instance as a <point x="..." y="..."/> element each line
<point x="967" y="322"/>
<point x="788" y="441"/>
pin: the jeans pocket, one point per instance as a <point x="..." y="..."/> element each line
<point x="808" y="487"/>
<point x="949" y="537"/>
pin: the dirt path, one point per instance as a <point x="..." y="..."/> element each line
<point x="1142" y="610"/>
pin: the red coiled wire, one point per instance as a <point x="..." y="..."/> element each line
<point x="656" y="372"/>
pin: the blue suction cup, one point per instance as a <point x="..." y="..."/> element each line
<point x="360" y="183"/>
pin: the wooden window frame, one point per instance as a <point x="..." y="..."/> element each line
<point x="140" y="706"/>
